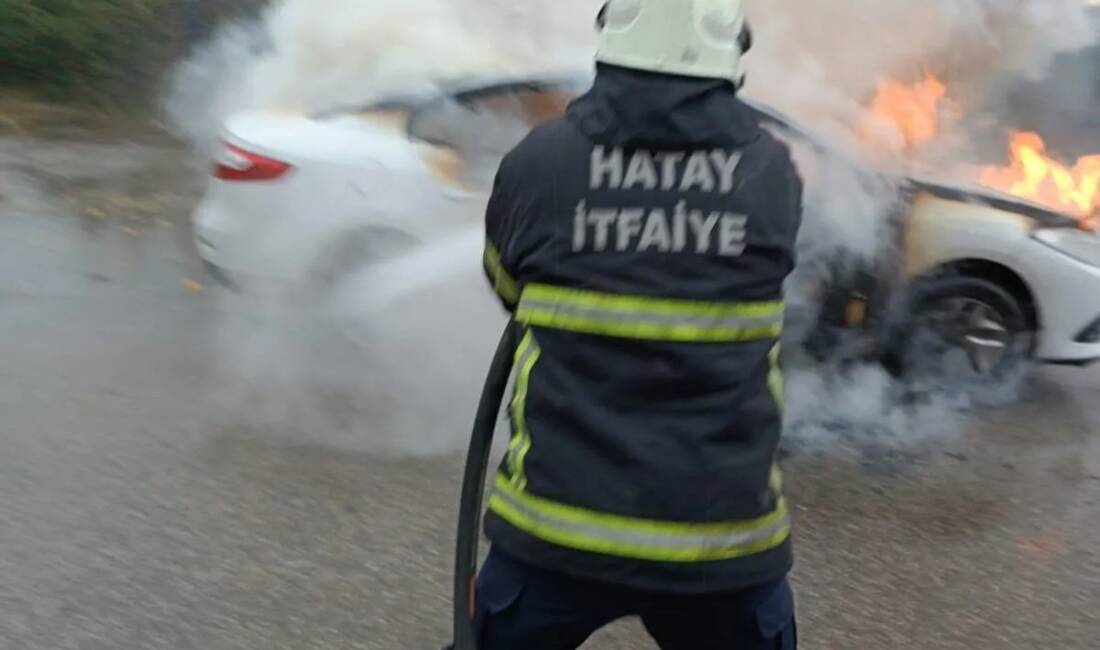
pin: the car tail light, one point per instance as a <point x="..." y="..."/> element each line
<point x="236" y="164"/>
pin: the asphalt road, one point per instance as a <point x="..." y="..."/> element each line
<point x="138" y="511"/>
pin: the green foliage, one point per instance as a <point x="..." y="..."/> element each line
<point x="108" y="52"/>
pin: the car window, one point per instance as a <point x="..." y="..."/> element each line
<point x="479" y="125"/>
<point x="394" y="118"/>
<point x="484" y="124"/>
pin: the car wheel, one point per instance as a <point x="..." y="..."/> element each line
<point x="961" y="331"/>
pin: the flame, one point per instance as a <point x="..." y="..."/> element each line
<point x="913" y="110"/>
<point x="1035" y="176"/>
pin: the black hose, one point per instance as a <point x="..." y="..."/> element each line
<point x="473" y="489"/>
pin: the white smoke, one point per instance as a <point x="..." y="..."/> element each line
<point x="316" y="55"/>
<point x="216" y="81"/>
<point x="822" y="61"/>
<point x="395" y="359"/>
<point x="395" y="376"/>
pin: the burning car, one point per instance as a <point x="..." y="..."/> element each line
<point x="980" y="277"/>
<point x="976" y="279"/>
<point x="980" y="283"/>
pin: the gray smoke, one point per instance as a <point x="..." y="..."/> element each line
<point x="311" y="56"/>
<point x="393" y="358"/>
<point x="822" y="61"/>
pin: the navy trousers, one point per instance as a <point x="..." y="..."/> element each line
<point x="522" y="607"/>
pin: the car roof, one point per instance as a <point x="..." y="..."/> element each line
<point x="475" y="87"/>
<point x="471" y="88"/>
<point x="461" y="89"/>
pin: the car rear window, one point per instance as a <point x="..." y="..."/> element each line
<point x="488" y="121"/>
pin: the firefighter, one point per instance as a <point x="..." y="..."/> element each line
<point x="641" y="242"/>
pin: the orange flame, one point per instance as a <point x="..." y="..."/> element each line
<point x="1035" y="176"/>
<point x="914" y="109"/>
<point x="915" y="112"/>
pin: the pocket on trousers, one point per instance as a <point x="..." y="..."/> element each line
<point x="498" y="590"/>
<point x="775" y="619"/>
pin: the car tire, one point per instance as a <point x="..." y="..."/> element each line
<point x="959" y="331"/>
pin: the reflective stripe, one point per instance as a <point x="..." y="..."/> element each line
<point x="643" y="539"/>
<point x="527" y="355"/>
<point x="775" y="377"/>
<point x="775" y="480"/>
<point x="503" y="283"/>
<point x="638" y="317"/>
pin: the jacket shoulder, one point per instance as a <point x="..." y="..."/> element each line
<point x="771" y="156"/>
<point x="768" y="145"/>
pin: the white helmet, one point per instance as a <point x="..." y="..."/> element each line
<point x="695" y="38"/>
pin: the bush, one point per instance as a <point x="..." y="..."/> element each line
<point x="108" y="52"/>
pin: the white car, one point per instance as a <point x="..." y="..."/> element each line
<point x="293" y="194"/>
<point x="987" y="278"/>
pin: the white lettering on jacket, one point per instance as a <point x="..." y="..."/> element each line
<point x="699" y="171"/>
<point x="640" y="230"/>
<point x="656" y="229"/>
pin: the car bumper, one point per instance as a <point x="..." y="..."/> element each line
<point x="1067" y="294"/>
<point x="235" y="246"/>
<point x="220" y="240"/>
<point x="216" y="240"/>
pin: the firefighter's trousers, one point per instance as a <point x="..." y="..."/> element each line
<point x="520" y="606"/>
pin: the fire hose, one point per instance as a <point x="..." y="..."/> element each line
<point x="473" y="490"/>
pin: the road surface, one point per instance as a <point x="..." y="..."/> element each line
<point x="138" y="511"/>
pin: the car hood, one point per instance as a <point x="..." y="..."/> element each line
<point x="1042" y="216"/>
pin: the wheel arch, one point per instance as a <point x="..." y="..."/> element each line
<point x="347" y="248"/>
<point x="995" y="273"/>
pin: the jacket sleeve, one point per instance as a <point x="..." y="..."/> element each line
<point x="500" y="220"/>
<point x="784" y="190"/>
<point x="796" y="197"/>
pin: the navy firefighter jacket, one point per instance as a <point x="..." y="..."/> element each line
<point x="642" y="242"/>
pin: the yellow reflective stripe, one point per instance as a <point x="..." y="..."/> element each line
<point x="775" y="377"/>
<point x="527" y="355"/>
<point x="503" y="283"/>
<point x="639" y="317"/>
<point x="643" y="539"/>
<point x="642" y="304"/>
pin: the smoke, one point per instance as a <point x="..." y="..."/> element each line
<point x="822" y="61"/>
<point x="397" y="375"/>
<point x="215" y="81"/>
<point x="846" y="226"/>
<point x="386" y="356"/>
<point x="310" y="56"/>
<point x="392" y="358"/>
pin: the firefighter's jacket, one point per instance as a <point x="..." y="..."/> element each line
<point x="642" y="243"/>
